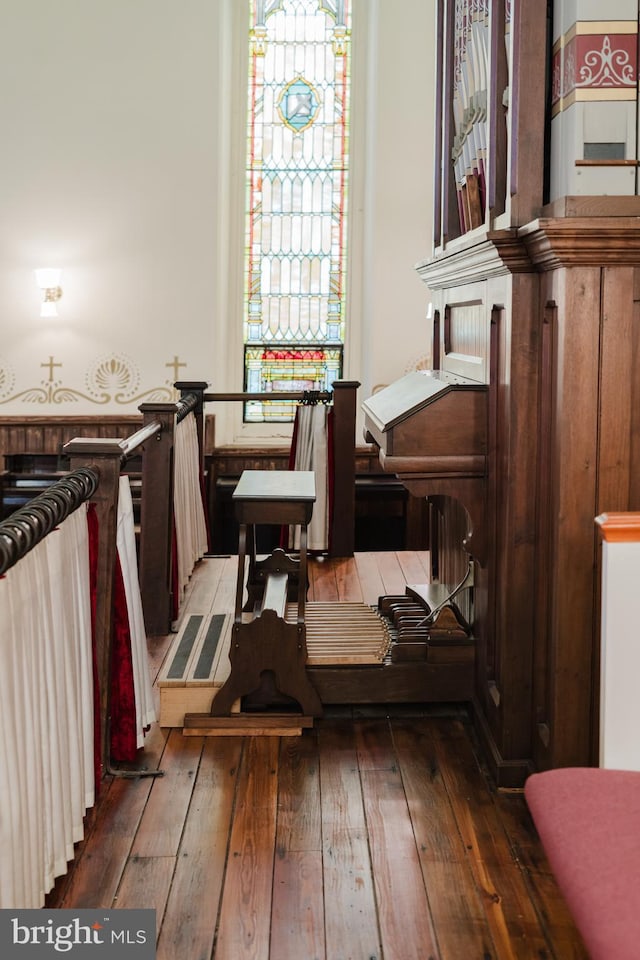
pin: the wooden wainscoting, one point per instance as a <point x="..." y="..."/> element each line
<point x="48" y="434"/>
<point x="387" y="517"/>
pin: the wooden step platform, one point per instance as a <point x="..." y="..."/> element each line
<point x="338" y="634"/>
<point x="246" y="725"/>
<point x="196" y="665"/>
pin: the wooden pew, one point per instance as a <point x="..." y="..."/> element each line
<point x="589" y="822"/>
<point x="29" y="474"/>
<point x="589" y="818"/>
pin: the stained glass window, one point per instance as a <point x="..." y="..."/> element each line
<point x="296" y="189"/>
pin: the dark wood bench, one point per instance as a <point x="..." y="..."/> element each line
<point x="386" y="516"/>
<point x="28" y="474"/>
<point x="266" y="648"/>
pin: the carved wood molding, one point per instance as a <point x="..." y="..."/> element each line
<point x="500" y="252"/>
<point x="470" y="492"/>
<point x="619" y="527"/>
<point x="582" y="241"/>
<point x="544" y="244"/>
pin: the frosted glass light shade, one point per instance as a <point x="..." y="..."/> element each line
<point x="48" y="277"/>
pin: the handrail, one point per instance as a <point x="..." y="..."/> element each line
<point x="185" y="405"/>
<point x="130" y="444"/>
<point x="322" y="396"/>
<point x="112" y="447"/>
<point x="28" y="525"/>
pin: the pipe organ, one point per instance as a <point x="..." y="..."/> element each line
<point x="533" y="278"/>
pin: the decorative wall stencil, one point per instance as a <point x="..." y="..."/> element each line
<point x="419" y="363"/>
<point x="175" y="365"/>
<point x="113" y="374"/>
<point x="110" y="379"/>
<point x="7" y="380"/>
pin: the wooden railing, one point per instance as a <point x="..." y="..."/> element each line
<point x="49" y="754"/>
<point x="56" y="648"/>
<point x="25" y="528"/>
<point x="156" y="511"/>
<point x="106" y="457"/>
<point x="154" y="443"/>
<point x="95" y="470"/>
<point x="343" y="455"/>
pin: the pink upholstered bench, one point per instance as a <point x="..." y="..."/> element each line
<point x="589" y="824"/>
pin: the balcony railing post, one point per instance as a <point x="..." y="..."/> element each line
<point x="342" y="538"/>
<point x="105" y="456"/>
<point x="156" y="518"/>
<point x="197" y="388"/>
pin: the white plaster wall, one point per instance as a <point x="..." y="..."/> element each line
<point x="393" y="209"/>
<point x="108" y="170"/>
<point x="121" y="164"/>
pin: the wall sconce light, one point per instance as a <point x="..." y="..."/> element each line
<point x="49" y="282"/>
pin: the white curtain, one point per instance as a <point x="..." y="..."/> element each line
<point x="126" y="545"/>
<point x="46" y="712"/>
<point x="312" y="453"/>
<point x="191" y="527"/>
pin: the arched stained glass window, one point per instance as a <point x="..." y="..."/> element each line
<point x="297" y="178"/>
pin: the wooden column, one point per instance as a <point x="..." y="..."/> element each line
<point x="156" y="519"/>
<point x="104" y="456"/>
<point x="342" y="534"/>
<point x="195" y="388"/>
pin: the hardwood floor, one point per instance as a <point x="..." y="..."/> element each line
<point x="375" y="835"/>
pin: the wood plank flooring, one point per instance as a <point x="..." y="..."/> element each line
<point x="375" y="835"/>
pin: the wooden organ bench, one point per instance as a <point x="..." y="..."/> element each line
<point x="267" y="650"/>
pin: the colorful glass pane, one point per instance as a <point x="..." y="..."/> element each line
<point x="297" y="178"/>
